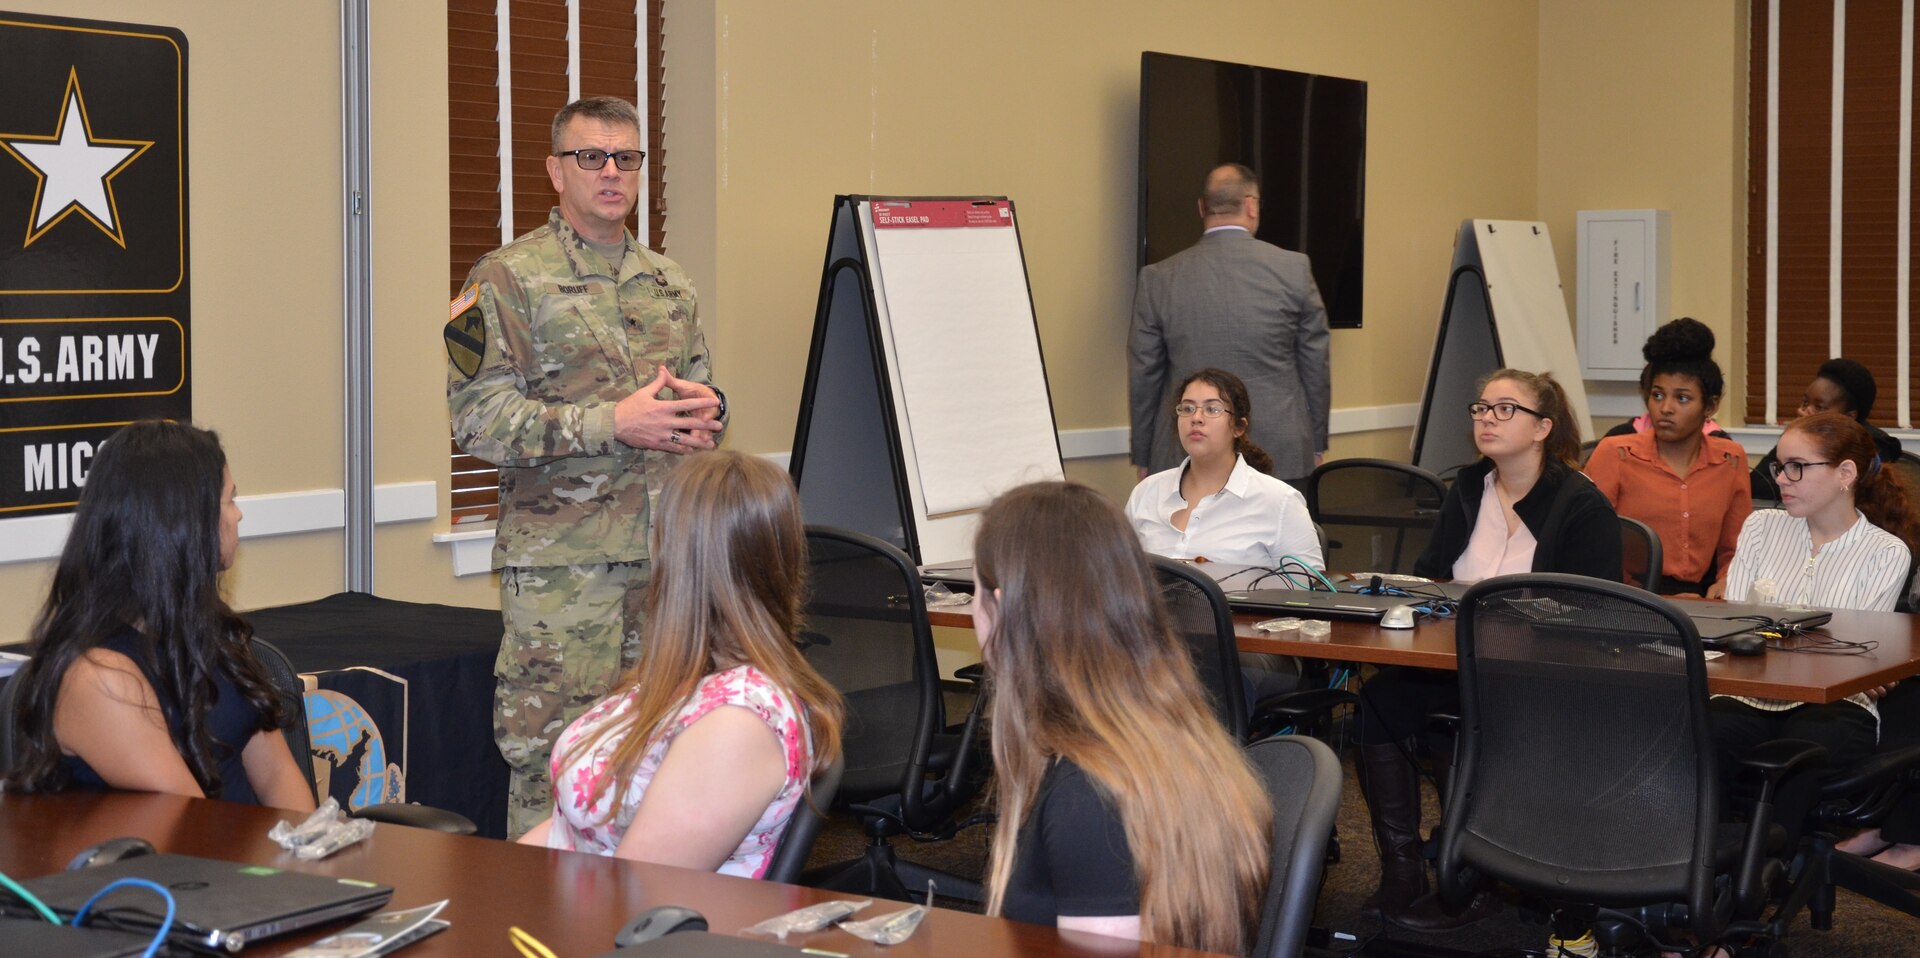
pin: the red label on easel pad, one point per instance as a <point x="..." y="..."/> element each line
<point x="941" y="214"/>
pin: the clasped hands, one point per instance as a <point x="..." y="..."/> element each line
<point x="676" y="426"/>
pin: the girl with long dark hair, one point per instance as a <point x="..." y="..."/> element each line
<point x="142" y="677"/>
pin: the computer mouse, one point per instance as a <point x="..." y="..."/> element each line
<point x="1398" y="617"/>
<point x="1746" y="643"/>
<point x="660" y="922"/>
<point x="111" y="850"/>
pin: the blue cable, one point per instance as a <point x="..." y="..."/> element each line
<point x="166" y="925"/>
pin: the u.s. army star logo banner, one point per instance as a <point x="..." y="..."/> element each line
<point x="93" y="246"/>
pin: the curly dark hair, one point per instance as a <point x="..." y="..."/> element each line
<point x="1683" y="347"/>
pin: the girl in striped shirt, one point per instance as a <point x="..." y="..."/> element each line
<point x="1838" y="541"/>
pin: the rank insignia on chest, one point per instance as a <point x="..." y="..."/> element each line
<point x="659" y="277"/>
<point x="466" y="332"/>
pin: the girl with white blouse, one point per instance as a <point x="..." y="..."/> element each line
<point x="1221" y="505"/>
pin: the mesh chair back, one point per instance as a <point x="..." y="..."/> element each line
<point x="293" y="695"/>
<point x="1204" y="624"/>
<point x="10" y="691"/>
<point x="1378" y="514"/>
<point x="867" y="634"/>
<point x="803" y="827"/>
<point x="1302" y="776"/>
<point x="1585" y="768"/>
<point x="1640" y="556"/>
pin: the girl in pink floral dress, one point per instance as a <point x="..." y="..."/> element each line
<point x="703" y="752"/>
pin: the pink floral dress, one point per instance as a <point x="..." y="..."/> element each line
<point x="593" y="827"/>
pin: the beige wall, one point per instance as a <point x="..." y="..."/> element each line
<point x="1510" y="109"/>
<point x="1039" y="101"/>
<point x="1643" y="105"/>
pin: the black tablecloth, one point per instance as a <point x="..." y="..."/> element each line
<point x="405" y="703"/>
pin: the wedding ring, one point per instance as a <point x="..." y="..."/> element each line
<point x="673" y="437"/>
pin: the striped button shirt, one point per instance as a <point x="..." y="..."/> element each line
<point x="1863" y="569"/>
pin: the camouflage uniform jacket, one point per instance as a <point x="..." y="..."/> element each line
<point x="566" y="338"/>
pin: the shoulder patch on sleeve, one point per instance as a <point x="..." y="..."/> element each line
<point x="466" y="332"/>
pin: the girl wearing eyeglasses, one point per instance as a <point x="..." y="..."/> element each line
<point x="1838" y="541"/>
<point x="1524" y="507"/>
<point x="1688" y="486"/>
<point x="1221" y="505"/>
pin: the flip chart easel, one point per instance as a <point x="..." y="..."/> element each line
<point x="1504" y="308"/>
<point x="925" y="394"/>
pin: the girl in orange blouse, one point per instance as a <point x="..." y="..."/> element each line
<point x="1690" y="487"/>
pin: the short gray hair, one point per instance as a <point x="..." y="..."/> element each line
<point x="606" y="109"/>
<point x="1225" y="195"/>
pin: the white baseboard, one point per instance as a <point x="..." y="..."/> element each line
<point x="269" y="514"/>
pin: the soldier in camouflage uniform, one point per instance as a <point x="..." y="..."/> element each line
<point x="560" y="346"/>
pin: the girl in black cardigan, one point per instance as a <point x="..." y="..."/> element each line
<point x="1525" y="506"/>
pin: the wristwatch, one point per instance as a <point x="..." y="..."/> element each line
<point x="720" y="413"/>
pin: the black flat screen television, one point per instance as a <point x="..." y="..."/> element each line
<point x="1306" y="137"/>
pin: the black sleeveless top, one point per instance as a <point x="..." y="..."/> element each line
<point x="231" y="722"/>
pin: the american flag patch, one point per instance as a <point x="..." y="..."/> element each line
<point x="463" y="301"/>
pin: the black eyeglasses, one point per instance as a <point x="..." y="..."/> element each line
<point x="628" y="160"/>
<point x="1502" y="411"/>
<point x="1793" y="470"/>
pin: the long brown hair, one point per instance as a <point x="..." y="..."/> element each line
<point x="1240" y="406"/>
<point x="728" y="587"/>
<point x="1879" y="493"/>
<point x="1085" y="667"/>
<point x="1562" y="445"/>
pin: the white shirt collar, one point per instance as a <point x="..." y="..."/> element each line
<point x="1229" y="226"/>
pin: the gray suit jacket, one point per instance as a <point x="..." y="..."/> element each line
<point x="1245" y="306"/>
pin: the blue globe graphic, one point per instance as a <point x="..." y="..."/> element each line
<point x="339" y="725"/>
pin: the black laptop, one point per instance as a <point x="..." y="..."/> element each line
<point x="1306" y="604"/>
<point x="42" y="939"/>
<point x="218" y="904"/>
<point x="957" y="576"/>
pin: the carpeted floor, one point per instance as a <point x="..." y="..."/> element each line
<point x="1861" y="927"/>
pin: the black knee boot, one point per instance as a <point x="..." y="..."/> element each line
<point x="1391" y="787"/>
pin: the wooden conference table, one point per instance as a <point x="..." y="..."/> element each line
<point x="1778" y="674"/>
<point x="572" y="901"/>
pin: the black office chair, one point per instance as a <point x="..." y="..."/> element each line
<point x="1204" y="622"/>
<point x="867" y="633"/>
<point x="1378" y="514"/>
<point x="292" y="692"/>
<point x="1586" y="769"/>
<point x="1302" y="776"/>
<point x="796" y="843"/>
<point x="1640" y="558"/>
<point x="9" y="708"/>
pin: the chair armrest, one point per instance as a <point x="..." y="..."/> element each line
<point x="1299" y="707"/>
<point x="975" y="673"/>
<point x="1783" y="757"/>
<point x="1874" y="770"/>
<point x="418" y="816"/>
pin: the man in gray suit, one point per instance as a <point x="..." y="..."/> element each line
<point x="1242" y="305"/>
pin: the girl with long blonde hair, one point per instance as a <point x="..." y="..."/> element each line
<point x="1125" y="807"/>
<point x="702" y="754"/>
